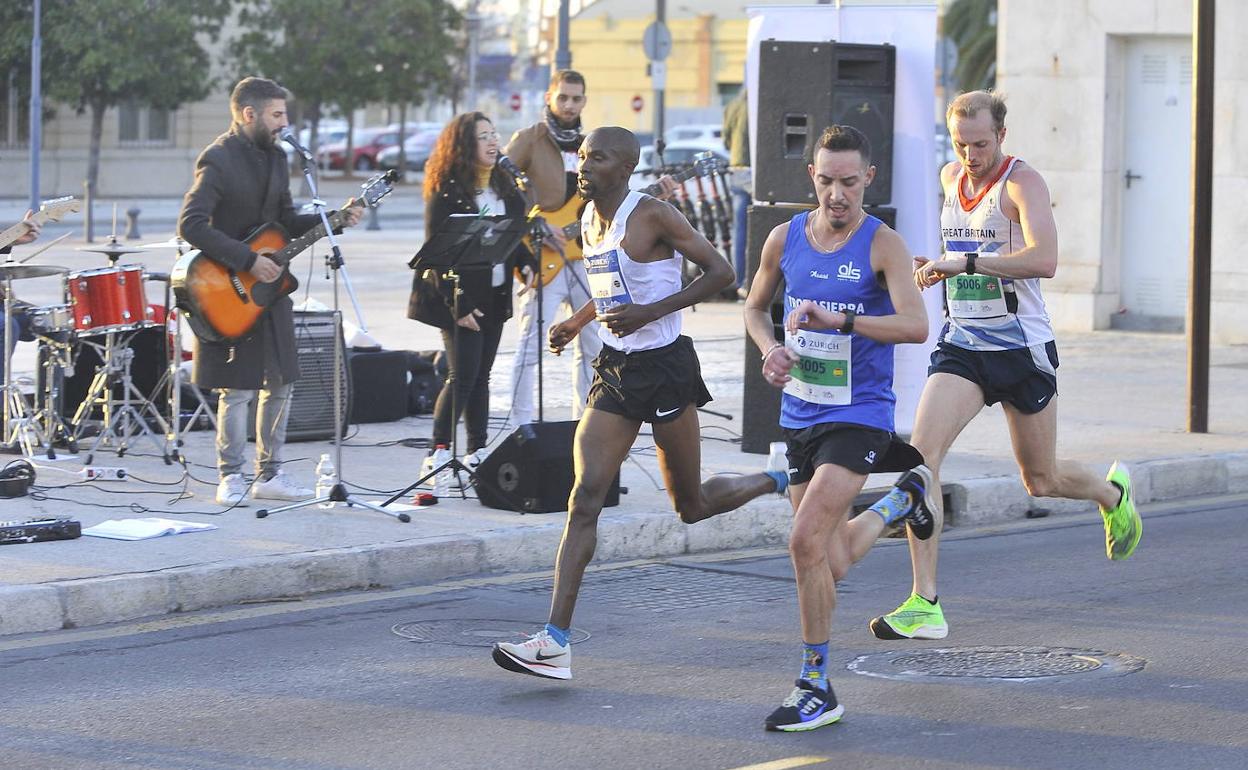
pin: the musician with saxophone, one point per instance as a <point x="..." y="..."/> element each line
<point x="242" y="181"/>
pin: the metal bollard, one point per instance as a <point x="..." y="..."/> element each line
<point x="374" y="223"/>
<point x="132" y="224"/>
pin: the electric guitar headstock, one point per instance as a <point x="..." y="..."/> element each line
<point x="49" y="211"/>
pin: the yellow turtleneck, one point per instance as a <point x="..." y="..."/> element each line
<point x="483" y="177"/>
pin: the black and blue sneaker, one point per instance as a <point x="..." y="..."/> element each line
<point x="924" y="517"/>
<point x="806" y="708"/>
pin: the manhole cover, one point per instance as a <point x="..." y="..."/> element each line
<point x="473" y="632"/>
<point x="667" y="587"/>
<point x="1015" y="664"/>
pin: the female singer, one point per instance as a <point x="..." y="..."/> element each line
<point x="461" y="177"/>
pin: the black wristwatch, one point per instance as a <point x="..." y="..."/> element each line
<point x="970" y="262"/>
<point x="848" y="326"/>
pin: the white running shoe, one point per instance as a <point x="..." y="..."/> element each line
<point x="280" y="487"/>
<point x="539" y="655"/>
<point x="232" y="490"/>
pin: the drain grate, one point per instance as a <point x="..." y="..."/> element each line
<point x="668" y="587"/>
<point x="1017" y="664"/>
<point x="473" y="632"/>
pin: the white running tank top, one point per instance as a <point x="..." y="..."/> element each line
<point x="615" y="279"/>
<point x="987" y="312"/>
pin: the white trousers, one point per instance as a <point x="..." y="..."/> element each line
<point x="564" y="295"/>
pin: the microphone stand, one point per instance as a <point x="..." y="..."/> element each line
<point x="334" y="262"/>
<point x="537" y="235"/>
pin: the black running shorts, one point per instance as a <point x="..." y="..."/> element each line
<point x="648" y="385"/>
<point x="852" y="446"/>
<point x="1025" y="378"/>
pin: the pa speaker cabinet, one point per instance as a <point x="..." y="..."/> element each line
<point x="531" y="471"/>
<point x="806" y="87"/>
<point x="312" y="399"/>
<point x="379" y="381"/>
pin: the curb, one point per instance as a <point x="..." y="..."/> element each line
<point x="764" y="522"/>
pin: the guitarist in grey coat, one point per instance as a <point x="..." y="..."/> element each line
<point x="242" y="182"/>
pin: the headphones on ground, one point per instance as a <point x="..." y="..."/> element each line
<point x="16" y="478"/>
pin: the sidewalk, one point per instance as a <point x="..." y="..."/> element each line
<point x="1122" y="396"/>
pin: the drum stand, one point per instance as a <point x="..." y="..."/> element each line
<point x="173" y="379"/>
<point x="55" y="357"/>
<point x="20" y="428"/>
<point x="122" y="419"/>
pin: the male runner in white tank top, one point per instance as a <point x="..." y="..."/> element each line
<point x="997" y="345"/>
<point x="647" y="372"/>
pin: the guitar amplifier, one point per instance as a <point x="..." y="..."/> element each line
<point x="312" y="400"/>
<point x="39" y="530"/>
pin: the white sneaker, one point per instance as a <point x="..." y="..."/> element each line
<point x="539" y="655"/>
<point x="232" y="490"/>
<point x="472" y="461"/>
<point x="280" y="487"/>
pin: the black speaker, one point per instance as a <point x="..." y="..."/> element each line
<point x="378" y="385"/>
<point x="805" y="87"/>
<point x="312" y="400"/>
<point x="532" y="472"/>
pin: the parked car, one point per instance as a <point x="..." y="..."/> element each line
<point x="330" y="131"/>
<point x="706" y="133"/>
<point x="368" y="143"/>
<point x="417" y="149"/>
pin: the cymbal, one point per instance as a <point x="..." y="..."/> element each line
<point x="173" y="243"/>
<point x="111" y="248"/>
<point x="13" y="270"/>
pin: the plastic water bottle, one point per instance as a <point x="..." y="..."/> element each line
<point x="442" y="480"/>
<point x="325" y="480"/>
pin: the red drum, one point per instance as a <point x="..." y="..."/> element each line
<point x="108" y="299"/>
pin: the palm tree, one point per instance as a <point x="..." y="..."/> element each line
<point x="972" y="26"/>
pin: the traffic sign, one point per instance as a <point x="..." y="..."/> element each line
<point x="514" y="102"/>
<point x="637" y="103"/>
<point x="656" y="41"/>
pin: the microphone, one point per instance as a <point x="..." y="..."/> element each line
<point x="289" y="138"/>
<point x="509" y="165"/>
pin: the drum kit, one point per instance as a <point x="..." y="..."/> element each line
<point x="104" y="309"/>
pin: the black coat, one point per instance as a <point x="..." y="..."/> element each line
<point x="433" y="295"/>
<point x="237" y="188"/>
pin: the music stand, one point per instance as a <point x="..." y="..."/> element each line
<point x="466" y="242"/>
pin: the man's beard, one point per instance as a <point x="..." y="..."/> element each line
<point x="263" y="138"/>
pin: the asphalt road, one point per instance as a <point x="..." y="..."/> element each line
<point x="685" y="658"/>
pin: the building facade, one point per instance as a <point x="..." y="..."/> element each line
<point x="1099" y="95"/>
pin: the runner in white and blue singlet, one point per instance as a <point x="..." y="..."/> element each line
<point x="647" y="372"/>
<point x="849" y="299"/>
<point x="997" y="345"/>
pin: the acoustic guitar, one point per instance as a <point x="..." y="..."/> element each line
<point x="50" y="211"/>
<point x="567" y="219"/>
<point x="223" y="304"/>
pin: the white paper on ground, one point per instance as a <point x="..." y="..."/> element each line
<point x="144" y="529"/>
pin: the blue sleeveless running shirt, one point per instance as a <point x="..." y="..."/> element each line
<point x="840" y="378"/>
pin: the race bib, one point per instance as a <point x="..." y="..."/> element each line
<point x="823" y="374"/>
<point x="975" y="296"/>
<point x="606" y="282"/>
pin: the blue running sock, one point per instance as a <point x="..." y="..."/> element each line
<point x="815" y="664"/>
<point x="892" y="506"/>
<point x="560" y="635"/>
<point x="782" y="480"/>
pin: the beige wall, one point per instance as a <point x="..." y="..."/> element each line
<point x="1060" y="63"/>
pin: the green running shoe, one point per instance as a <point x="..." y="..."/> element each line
<point x="1123" y="526"/>
<point x="916" y="618"/>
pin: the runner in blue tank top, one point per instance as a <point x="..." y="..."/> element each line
<point x="1000" y="240"/>
<point x="849" y="299"/>
<point x="647" y="372"/>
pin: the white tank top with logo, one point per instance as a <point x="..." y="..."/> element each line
<point x="985" y="312"/>
<point x="615" y="279"/>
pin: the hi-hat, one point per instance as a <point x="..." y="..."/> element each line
<point x="173" y="243"/>
<point x="13" y="270"/>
